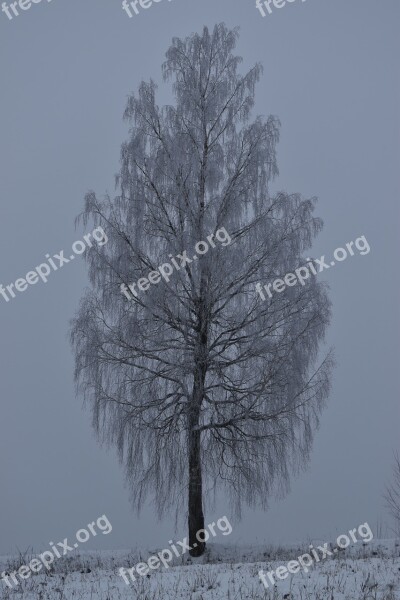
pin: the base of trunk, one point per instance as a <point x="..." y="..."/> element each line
<point x="197" y="549"/>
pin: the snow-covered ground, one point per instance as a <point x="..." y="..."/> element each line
<point x="362" y="572"/>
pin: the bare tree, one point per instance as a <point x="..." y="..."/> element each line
<point x="200" y="384"/>
<point x="392" y="496"/>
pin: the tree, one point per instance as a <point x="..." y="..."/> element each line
<point x="196" y="380"/>
<point x="392" y="496"/>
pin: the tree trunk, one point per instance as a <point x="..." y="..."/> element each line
<point x="196" y="516"/>
<point x="195" y="500"/>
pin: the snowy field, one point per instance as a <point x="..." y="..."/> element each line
<point x="362" y="572"/>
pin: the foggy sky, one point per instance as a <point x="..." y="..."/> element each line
<point x="330" y="74"/>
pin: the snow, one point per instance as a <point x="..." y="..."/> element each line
<point x="362" y="572"/>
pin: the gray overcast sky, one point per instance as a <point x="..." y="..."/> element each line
<point x="332" y="78"/>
